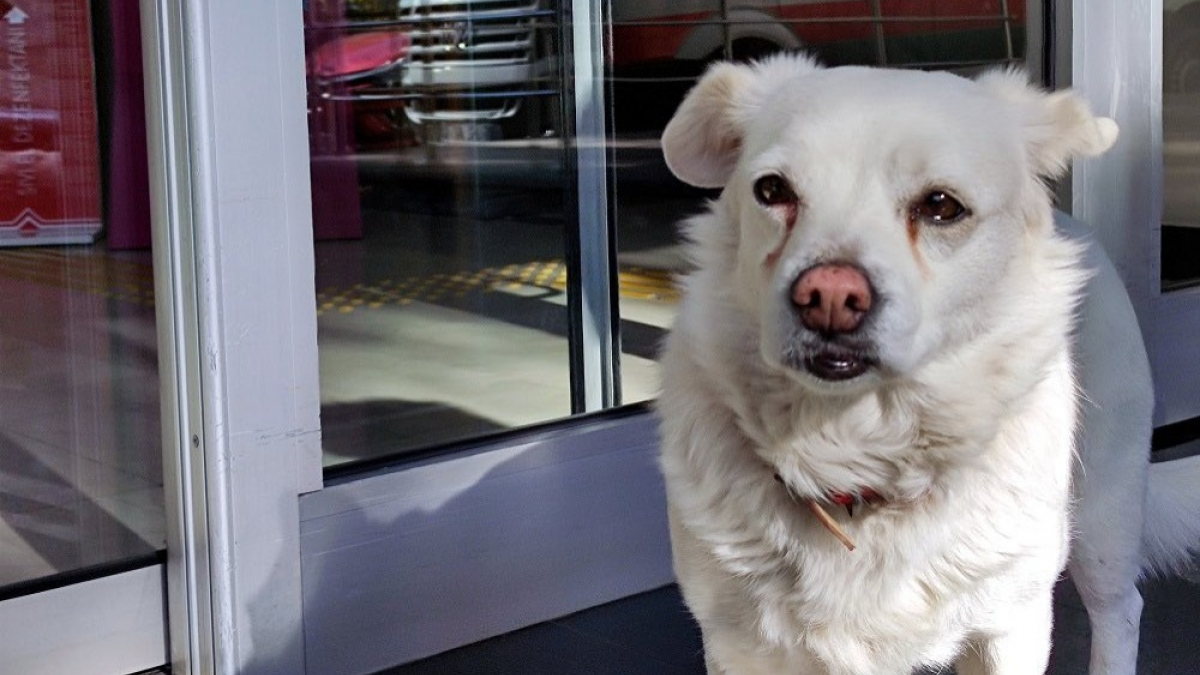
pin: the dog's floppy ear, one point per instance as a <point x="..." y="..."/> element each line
<point x="1057" y="126"/>
<point x="702" y="141"/>
<point x="704" y="138"/>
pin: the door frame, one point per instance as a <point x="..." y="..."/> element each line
<point x="104" y="625"/>
<point x="231" y="212"/>
<point x="1117" y="56"/>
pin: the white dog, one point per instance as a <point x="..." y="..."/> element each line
<point x="870" y="406"/>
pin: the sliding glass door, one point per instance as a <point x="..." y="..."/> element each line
<point x="82" y="527"/>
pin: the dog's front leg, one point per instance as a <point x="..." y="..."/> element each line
<point x="1022" y="649"/>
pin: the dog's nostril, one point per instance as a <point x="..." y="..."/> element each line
<point x="811" y="299"/>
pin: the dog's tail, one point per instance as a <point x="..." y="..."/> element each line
<point x="1171" y="537"/>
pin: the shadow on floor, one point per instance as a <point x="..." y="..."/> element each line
<point x="48" y="509"/>
<point x="381" y="427"/>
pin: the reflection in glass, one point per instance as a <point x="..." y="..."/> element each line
<point x="659" y="49"/>
<point x="441" y="220"/>
<point x="443" y="188"/>
<point x="80" y="457"/>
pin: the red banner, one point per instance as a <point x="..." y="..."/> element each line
<point x="49" y="163"/>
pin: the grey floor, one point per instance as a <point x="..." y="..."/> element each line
<point x="1170" y="632"/>
<point x="652" y="634"/>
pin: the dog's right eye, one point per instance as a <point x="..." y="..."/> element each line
<point x="939" y="207"/>
<point x="773" y="190"/>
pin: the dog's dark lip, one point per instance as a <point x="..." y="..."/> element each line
<point x="838" y="365"/>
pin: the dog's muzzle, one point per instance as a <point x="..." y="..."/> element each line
<point x="833" y="301"/>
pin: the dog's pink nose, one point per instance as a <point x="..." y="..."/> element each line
<point x="832" y="298"/>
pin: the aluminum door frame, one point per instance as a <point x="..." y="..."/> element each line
<point x="234" y="275"/>
<point x="1117" y="57"/>
<point x="407" y="563"/>
<point x="111" y="624"/>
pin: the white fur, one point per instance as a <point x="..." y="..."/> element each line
<point x="966" y="426"/>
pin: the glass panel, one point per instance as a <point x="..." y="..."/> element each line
<point x="442" y="209"/>
<point x="1181" y="144"/>
<point x="80" y="459"/>
<point x="658" y="51"/>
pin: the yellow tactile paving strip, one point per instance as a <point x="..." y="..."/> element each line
<point x="640" y="283"/>
<point x="634" y="282"/>
<point x="131" y="281"/>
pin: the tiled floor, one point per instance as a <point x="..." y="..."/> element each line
<point x="652" y="634"/>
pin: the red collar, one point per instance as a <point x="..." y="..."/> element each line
<point x="847" y="499"/>
<point x="863" y="496"/>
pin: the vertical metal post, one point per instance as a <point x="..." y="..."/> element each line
<point x="233" y="257"/>
<point x="881" y="57"/>
<point x="1038" y="55"/>
<point x="726" y="33"/>
<point x="1059" y="32"/>
<point x="1008" y="33"/>
<point x="599" y="360"/>
<point x="1117" y="65"/>
<point x="189" y="606"/>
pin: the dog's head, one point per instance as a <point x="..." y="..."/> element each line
<point x="879" y="213"/>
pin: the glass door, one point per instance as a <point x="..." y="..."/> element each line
<point x="443" y="219"/>
<point x="470" y="349"/>
<point x="82" y="527"/>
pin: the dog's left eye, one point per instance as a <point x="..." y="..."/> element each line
<point x="937" y="206"/>
<point x="773" y="190"/>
